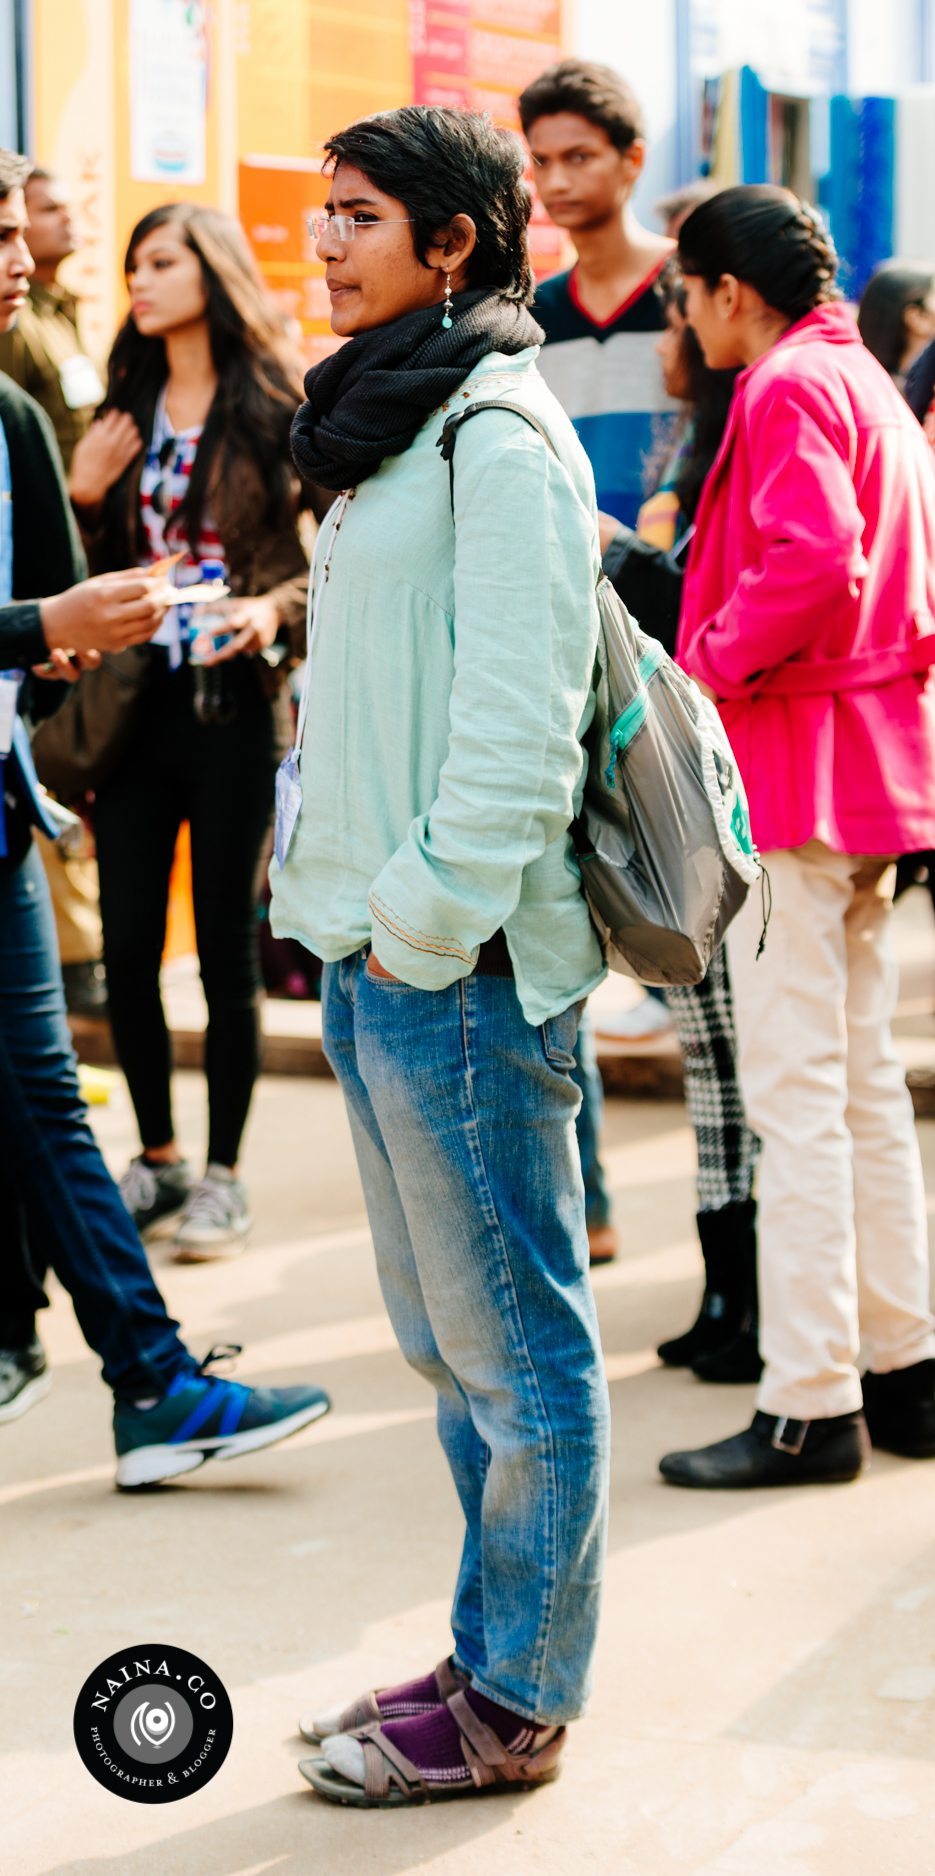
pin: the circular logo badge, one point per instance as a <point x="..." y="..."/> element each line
<point x="153" y="1723"/>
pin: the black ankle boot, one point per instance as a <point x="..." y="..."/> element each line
<point x="900" y="1410"/>
<point x="735" y="1361"/>
<point x="775" y="1450"/>
<point x="724" y="1237"/>
<point x="738" y="1359"/>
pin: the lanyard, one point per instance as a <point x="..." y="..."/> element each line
<point x="321" y="568"/>
<point x="288" y="776"/>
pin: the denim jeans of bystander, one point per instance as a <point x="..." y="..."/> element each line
<point x="50" y="1159"/>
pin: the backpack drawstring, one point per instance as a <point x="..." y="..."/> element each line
<point x="766" y="907"/>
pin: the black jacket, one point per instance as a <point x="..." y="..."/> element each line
<point x="47" y="552"/>
<point x="47" y="558"/>
<point x="649" y="581"/>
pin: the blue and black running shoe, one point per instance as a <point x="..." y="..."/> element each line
<point x="204" y="1417"/>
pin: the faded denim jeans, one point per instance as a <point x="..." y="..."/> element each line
<point x="463" y="1121"/>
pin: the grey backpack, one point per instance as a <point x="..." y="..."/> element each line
<point x="663" y="837"/>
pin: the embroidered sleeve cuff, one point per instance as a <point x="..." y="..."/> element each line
<point x="422" y="959"/>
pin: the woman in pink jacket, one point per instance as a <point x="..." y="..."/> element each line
<point x="808" y="616"/>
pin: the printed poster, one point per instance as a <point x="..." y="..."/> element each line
<point x="168" y="90"/>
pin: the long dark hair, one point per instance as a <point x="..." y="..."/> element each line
<point x="259" y="385"/>
<point x="441" y="163"/>
<point x="708" y="400"/>
<point x="887" y="297"/>
<point x="767" y="237"/>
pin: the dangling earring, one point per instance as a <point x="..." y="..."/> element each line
<point x="446" y="315"/>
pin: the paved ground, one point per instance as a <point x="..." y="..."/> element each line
<point x="765" y="1693"/>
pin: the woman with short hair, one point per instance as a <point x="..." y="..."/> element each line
<point x="423" y="851"/>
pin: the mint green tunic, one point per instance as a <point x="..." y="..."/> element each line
<point x="449" y="685"/>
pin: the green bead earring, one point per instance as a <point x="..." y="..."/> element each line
<point x="446" y="315"/>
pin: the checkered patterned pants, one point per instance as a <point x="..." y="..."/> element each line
<point x="727" y="1150"/>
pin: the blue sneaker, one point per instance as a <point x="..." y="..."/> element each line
<point x="201" y="1417"/>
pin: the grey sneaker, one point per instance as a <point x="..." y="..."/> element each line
<point x="24" y="1379"/>
<point x="216" y="1218"/>
<point x="155" y="1194"/>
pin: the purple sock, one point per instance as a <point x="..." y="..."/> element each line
<point x="433" y="1743"/>
<point x="433" y="1740"/>
<point x="512" y="1730"/>
<point x="410" y="1698"/>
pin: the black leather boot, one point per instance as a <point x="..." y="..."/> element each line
<point x="738" y="1359"/>
<point x="723" y="1235"/>
<point x="900" y="1410"/>
<point x="775" y="1451"/>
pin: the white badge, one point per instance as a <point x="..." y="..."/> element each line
<point x="288" y="805"/>
<point x="80" y="383"/>
<point x="9" y="691"/>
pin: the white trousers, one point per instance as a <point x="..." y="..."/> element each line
<point x="843" y="1249"/>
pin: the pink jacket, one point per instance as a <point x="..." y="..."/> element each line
<point x="809" y="598"/>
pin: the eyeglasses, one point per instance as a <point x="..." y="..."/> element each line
<point x="161" y="495"/>
<point x="346" y="227"/>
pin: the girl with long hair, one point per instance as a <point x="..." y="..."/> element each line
<point x="807" y="613"/>
<point x="423" y="851"/>
<point x="190" y="457"/>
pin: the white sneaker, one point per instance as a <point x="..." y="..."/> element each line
<point x="648" y="1021"/>
<point x="216" y="1218"/>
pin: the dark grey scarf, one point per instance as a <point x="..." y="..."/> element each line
<point x="370" y="398"/>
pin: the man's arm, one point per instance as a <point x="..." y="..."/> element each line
<point x="47" y="551"/>
<point x="22" y="640"/>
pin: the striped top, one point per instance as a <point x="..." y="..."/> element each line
<point x="606" y="375"/>
<point x="169" y="461"/>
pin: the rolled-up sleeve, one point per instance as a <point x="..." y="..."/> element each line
<point x="524" y="637"/>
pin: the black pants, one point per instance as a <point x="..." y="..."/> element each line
<point x="22" y="1273"/>
<point x="220" y="778"/>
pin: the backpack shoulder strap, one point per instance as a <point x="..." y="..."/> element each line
<point x="448" y="438"/>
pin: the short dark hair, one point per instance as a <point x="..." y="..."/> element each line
<point x="38" y="173"/>
<point x="596" y="92"/>
<point x="881" y="315"/>
<point x="13" y="172"/>
<point x="764" y="235"/>
<point x="442" y="163"/>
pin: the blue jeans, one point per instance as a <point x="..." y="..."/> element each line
<point x="463" y="1122"/>
<point x="73" y="1210"/>
<point x="589" y="1123"/>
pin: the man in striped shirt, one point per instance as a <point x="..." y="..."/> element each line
<point x="585" y="130"/>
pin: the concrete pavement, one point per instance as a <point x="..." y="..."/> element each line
<point x="765" y="1691"/>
